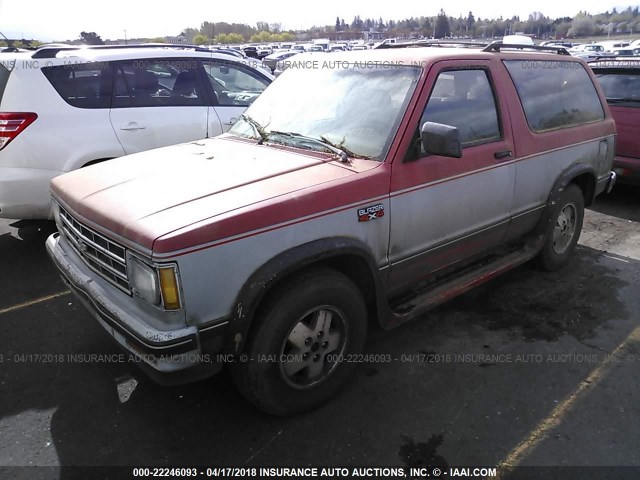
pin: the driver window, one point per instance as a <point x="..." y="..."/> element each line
<point x="158" y="83"/>
<point x="233" y="84"/>
<point x="464" y="99"/>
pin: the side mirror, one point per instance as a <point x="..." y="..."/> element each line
<point x="441" y="139"/>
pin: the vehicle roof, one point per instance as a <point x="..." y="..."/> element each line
<point x="419" y="55"/>
<point x="112" y="54"/>
<point x="133" y="52"/>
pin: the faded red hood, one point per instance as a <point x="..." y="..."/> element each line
<point x="146" y="195"/>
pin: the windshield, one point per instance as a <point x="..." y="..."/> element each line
<point x="351" y="107"/>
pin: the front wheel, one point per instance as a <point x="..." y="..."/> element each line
<point x="298" y="350"/>
<point x="564" y="229"/>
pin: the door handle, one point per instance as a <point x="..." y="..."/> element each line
<point x="231" y="121"/>
<point x="133" y="126"/>
<point x="503" y="154"/>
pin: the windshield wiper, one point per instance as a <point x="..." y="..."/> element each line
<point x="259" y="129"/>
<point x="622" y="100"/>
<point x="339" y="150"/>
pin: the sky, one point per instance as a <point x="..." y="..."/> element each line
<point x="65" y="19"/>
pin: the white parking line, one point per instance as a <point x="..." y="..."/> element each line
<point x="33" y="302"/>
<point x="616" y="258"/>
<point x="541" y="430"/>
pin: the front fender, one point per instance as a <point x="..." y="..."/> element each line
<point x="283" y="266"/>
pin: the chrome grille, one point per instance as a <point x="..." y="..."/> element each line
<point x="104" y="256"/>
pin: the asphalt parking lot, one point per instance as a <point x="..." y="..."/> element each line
<point x="533" y="369"/>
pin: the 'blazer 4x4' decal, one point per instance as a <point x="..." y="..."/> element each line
<point x="370" y="213"/>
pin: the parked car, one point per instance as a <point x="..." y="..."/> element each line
<point x="251" y="52"/>
<point x="62" y="108"/>
<point x="626" y="52"/>
<point x="271" y="61"/>
<point x="264" y="52"/>
<point x="342" y="196"/>
<point x="591" y="51"/>
<point x="620" y="80"/>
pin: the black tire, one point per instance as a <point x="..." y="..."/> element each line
<point x="290" y="325"/>
<point x="564" y="229"/>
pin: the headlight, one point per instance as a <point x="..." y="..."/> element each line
<point x="157" y="285"/>
<point x="144" y="281"/>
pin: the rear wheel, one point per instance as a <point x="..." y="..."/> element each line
<point x="297" y="346"/>
<point x="564" y="229"/>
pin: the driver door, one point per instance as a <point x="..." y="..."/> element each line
<point x="447" y="210"/>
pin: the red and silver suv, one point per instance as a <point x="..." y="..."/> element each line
<point x="62" y="108"/>
<point x="369" y="186"/>
<point x="620" y="80"/>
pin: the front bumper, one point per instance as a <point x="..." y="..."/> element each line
<point x="169" y="357"/>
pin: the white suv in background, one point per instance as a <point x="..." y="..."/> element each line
<point x="63" y="108"/>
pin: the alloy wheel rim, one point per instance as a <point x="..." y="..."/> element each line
<point x="313" y="347"/>
<point x="565" y="228"/>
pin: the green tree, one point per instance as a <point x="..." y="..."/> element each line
<point x="582" y="26"/>
<point x="200" y="39"/>
<point x="227" y="38"/>
<point x="442" y="25"/>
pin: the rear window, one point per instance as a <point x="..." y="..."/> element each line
<point x="82" y="85"/>
<point x="555" y="94"/>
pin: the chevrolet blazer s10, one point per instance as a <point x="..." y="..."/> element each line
<point x="342" y="196"/>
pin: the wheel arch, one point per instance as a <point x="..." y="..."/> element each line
<point x="348" y="256"/>
<point x="581" y="174"/>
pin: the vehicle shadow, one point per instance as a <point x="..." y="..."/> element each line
<point x="622" y="202"/>
<point x="27" y="271"/>
<point x="102" y="417"/>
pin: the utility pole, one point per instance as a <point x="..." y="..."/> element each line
<point x="125" y="36"/>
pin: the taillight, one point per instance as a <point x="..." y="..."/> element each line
<point x="11" y="124"/>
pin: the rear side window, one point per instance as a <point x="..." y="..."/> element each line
<point x="555" y="94"/>
<point x="82" y="85"/>
<point x="4" y="78"/>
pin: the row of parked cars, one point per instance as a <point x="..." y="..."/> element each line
<point x="340" y="197"/>
<point x="609" y="48"/>
<point x="260" y="51"/>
